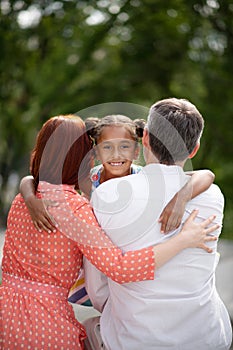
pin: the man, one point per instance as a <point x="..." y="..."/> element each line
<point x="181" y="308"/>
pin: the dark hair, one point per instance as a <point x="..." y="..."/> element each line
<point x="91" y="124"/>
<point x="62" y="152"/>
<point x="175" y="127"/>
<point x="95" y="126"/>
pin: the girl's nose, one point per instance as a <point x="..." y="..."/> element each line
<point x="115" y="151"/>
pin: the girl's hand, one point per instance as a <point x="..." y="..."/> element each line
<point x="195" y="235"/>
<point x="172" y="214"/>
<point x="41" y="218"/>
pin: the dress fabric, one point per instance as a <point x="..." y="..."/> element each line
<point x="39" y="269"/>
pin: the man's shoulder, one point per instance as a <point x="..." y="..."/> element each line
<point x="212" y="198"/>
<point x="111" y="189"/>
<point x="213" y="192"/>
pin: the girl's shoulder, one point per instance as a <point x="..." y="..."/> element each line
<point x="135" y="169"/>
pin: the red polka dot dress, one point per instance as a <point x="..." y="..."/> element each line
<point x="39" y="269"/>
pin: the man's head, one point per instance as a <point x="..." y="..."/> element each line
<point x="173" y="131"/>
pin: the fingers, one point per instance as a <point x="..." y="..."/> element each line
<point x="50" y="203"/>
<point x="38" y="228"/>
<point x="206" y="248"/>
<point x="208" y="239"/>
<point x="211" y="238"/>
<point x="49" y="223"/>
<point x="211" y="228"/>
<point x="208" y="221"/>
<point x="167" y="219"/>
<point x="43" y="226"/>
<point x="40" y="215"/>
<point x="169" y="222"/>
<point x="49" y="220"/>
<point x="192" y="216"/>
<point x="163" y="221"/>
<point x="46" y="223"/>
<point x="173" y="222"/>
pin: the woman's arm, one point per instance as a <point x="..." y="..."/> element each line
<point x="77" y="221"/>
<point x="97" y="283"/>
<point x="41" y="217"/>
<point x="172" y="214"/>
<point x="136" y="265"/>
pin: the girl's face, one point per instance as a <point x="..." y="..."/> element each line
<point x="116" y="150"/>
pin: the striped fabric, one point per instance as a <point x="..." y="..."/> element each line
<point x="78" y="293"/>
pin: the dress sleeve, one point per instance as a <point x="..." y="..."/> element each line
<point x="122" y="267"/>
<point x="77" y="221"/>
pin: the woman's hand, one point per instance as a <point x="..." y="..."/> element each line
<point x="192" y="235"/>
<point x="40" y="215"/>
<point x="196" y="235"/>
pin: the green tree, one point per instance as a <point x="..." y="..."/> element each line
<point x="63" y="56"/>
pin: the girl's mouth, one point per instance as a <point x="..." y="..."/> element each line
<point x="116" y="163"/>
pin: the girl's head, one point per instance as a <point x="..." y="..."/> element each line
<point x="116" y="138"/>
<point x="62" y="152"/>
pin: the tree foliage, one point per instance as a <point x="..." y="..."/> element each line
<point x="63" y="56"/>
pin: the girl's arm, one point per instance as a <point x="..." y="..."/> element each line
<point x="172" y="214"/>
<point x="41" y="217"/>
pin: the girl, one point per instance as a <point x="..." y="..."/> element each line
<point x="116" y="138"/>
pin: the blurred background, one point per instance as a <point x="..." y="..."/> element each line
<point x="64" y="56"/>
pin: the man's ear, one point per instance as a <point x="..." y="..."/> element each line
<point x="194" y="152"/>
<point x="145" y="139"/>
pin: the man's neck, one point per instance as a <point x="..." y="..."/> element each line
<point x="151" y="159"/>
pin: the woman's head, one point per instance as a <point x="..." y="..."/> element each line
<point x="116" y="138"/>
<point x="62" y="152"/>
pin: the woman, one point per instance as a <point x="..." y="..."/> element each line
<point x="39" y="268"/>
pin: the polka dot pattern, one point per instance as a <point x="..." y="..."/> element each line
<point x="40" y="268"/>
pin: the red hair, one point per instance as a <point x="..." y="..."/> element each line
<point x="62" y="154"/>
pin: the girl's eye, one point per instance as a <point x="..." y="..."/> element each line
<point x="106" y="147"/>
<point x="125" y="146"/>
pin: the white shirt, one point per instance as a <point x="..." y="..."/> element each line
<point x="180" y="309"/>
